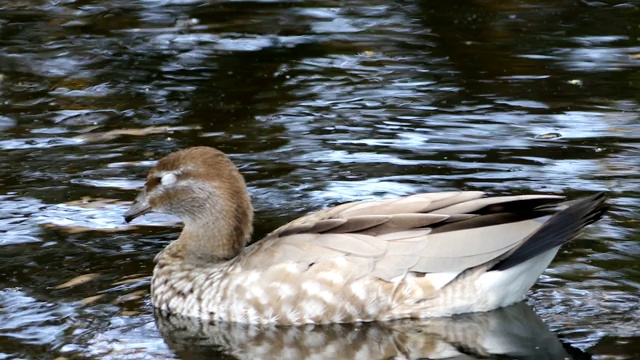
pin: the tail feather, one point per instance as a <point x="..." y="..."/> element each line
<point x="559" y="229"/>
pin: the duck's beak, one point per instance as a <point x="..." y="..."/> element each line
<point x="139" y="207"/>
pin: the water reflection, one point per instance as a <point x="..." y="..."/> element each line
<point x="515" y="332"/>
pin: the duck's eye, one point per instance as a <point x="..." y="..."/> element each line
<point x="168" y="179"/>
<point x="152" y="182"/>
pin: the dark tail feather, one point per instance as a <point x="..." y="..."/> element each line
<point x="559" y="229"/>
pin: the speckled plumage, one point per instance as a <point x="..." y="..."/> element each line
<point x="417" y="256"/>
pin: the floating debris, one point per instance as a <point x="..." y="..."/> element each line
<point x="91" y="299"/>
<point x="187" y="23"/>
<point x="548" y="136"/>
<point x="130" y="313"/>
<point x="78" y="280"/>
<point x="141" y="278"/>
<point x="136" y="295"/>
<point x="88" y="202"/>
<point x="112" y="134"/>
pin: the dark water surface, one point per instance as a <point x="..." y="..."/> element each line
<point x="318" y="102"/>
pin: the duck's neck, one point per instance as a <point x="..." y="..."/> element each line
<point x="219" y="232"/>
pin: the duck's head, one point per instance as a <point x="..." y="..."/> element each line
<point x="202" y="187"/>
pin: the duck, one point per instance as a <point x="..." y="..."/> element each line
<point x="418" y="256"/>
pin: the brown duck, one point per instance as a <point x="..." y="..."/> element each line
<point x="418" y="256"/>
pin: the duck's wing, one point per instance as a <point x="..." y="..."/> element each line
<point x="446" y="232"/>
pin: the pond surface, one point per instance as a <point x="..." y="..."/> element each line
<point x="318" y="102"/>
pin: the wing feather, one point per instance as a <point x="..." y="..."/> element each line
<point x="419" y="203"/>
<point x="311" y="227"/>
<point x="360" y="222"/>
<point x="350" y="244"/>
<point x="399" y="222"/>
<point x="426" y="233"/>
<point x="326" y="225"/>
<point x="477" y="204"/>
<point x="414" y="234"/>
<point x="391" y="267"/>
<point x="414" y="247"/>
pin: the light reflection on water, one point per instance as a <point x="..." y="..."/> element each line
<point x="318" y="103"/>
<point x="513" y="332"/>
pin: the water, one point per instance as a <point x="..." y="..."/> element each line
<point x="318" y="103"/>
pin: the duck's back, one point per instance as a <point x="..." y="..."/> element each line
<point x="424" y="255"/>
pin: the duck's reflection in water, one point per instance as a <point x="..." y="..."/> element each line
<point x="515" y="332"/>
